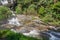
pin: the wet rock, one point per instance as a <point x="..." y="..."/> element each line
<point x="38" y="21"/>
<point x="30" y="26"/>
<point x="4" y="21"/>
<point x="25" y="29"/>
<point x="28" y="21"/>
<point x="33" y="33"/>
<point x="7" y="26"/>
<point x="58" y="29"/>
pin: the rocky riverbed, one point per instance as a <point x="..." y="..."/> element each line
<point x="28" y="25"/>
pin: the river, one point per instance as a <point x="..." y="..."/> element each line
<point x="51" y="34"/>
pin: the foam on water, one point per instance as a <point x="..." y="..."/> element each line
<point x="14" y="21"/>
<point x="53" y="37"/>
<point x="4" y="2"/>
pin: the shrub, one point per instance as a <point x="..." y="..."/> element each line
<point x="50" y="14"/>
<point x="41" y="11"/>
<point x="45" y="2"/>
<point x="4" y="12"/>
<point x="19" y="9"/>
<point x="31" y="10"/>
<point x="56" y="9"/>
<point x="24" y="1"/>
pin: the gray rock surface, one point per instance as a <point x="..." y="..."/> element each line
<point x="29" y="24"/>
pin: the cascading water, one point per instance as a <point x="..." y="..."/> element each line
<point x="53" y="35"/>
<point x="14" y="20"/>
<point x="4" y="2"/>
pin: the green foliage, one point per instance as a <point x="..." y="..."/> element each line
<point x="41" y="11"/>
<point x="19" y="9"/>
<point x="24" y="1"/>
<point x="56" y="10"/>
<point x="31" y="9"/>
<point x="50" y="14"/>
<point x="56" y="5"/>
<point x="45" y="2"/>
<point x="48" y="10"/>
<point x="9" y="35"/>
<point x="4" y="12"/>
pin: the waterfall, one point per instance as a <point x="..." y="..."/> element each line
<point x="4" y="2"/>
<point x="53" y="35"/>
<point x="14" y="20"/>
<point x="11" y="1"/>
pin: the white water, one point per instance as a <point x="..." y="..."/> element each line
<point x="14" y="20"/>
<point x="4" y="2"/>
<point x="54" y="38"/>
<point x="52" y="35"/>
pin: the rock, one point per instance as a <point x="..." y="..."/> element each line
<point x="7" y="26"/>
<point x="28" y="23"/>
<point x="33" y="33"/>
<point x="24" y="19"/>
<point x="25" y="29"/>
<point x="4" y="21"/>
<point x="30" y="26"/>
<point x="14" y="30"/>
<point x="45" y="36"/>
<point x="58" y="29"/>
<point x="38" y="21"/>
